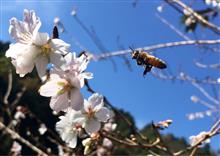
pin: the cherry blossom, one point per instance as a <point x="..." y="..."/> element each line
<point x="33" y="48"/>
<point x="109" y="127"/>
<point x="95" y="112"/>
<point x="15" y="149"/>
<point x="70" y="126"/>
<point x="195" y="139"/>
<point x="64" y="85"/>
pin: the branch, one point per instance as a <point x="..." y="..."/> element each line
<point x="7" y="94"/>
<point x="183" y="77"/>
<point x="95" y="40"/>
<point x="212" y="66"/>
<point x="205" y="93"/>
<point x="215" y="129"/>
<point x="8" y="88"/>
<point x="177" y="31"/>
<point x="18" y="97"/>
<point x="15" y="135"/>
<point x="156" y="47"/>
<point x="198" y="17"/>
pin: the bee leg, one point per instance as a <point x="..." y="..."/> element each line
<point x="147" y="69"/>
<point x="140" y="61"/>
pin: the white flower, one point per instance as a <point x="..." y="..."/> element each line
<point x="107" y="143"/>
<point x="65" y="93"/>
<point x="195" y="139"/>
<point x="75" y="67"/>
<point x="191" y="117"/>
<point x="208" y="2"/>
<point x="15" y="149"/>
<point x="73" y="12"/>
<point x="64" y="85"/>
<point x="101" y="151"/>
<point x="20" y="112"/>
<point x="33" y="48"/>
<point x="70" y="126"/>
<point x="42" y="129"/>
<point x="218" y="80"/>
<point x="109" y="127"/>
<point x="214" y="3"/>
<point x="194" y="99"/>
<point x="95" y="112"/>
<point x="160" y="8"/>
<point x="21" y="29"/>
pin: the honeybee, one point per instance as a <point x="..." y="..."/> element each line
<point x="147" y="61"/>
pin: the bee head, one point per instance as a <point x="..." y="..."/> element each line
<point x="134" y="53"/>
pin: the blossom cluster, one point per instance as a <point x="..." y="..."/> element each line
<point x="213" y="3"/>
<point x="66" y="77"/>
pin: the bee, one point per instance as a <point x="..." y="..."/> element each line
<point x="147" y="61"/>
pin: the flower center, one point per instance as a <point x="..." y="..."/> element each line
<point x="65" y="87"/>
<point x="46" y="49"/>
<point x="77" y="127"/>
<point x="90" y="113"/>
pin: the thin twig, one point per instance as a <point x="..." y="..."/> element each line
<point x="172" y="27"/>
<point x="215" y="130"/>
<point x="161" y="140"/>
<point x="205" y="93"/>
<point x="198" y="17"/>
<point x="15" y="135"/>
<point x="7" y="94"/>
<point x="18" y="97"/>
<point x="95" y="40"/>
<point x="212" y="66"/>
<point x="156" y="47"/>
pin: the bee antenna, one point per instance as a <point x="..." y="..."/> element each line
<point x="131" y="48"/>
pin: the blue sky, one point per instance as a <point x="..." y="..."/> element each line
<point x="146" y="98"/>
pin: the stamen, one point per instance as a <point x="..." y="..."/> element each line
<point x="46" y="49"/>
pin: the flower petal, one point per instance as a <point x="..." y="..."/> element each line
<point x="22" y="69"/>
<point x="76" y="99"/>
<point x="41" y="65"/>
<point x="60" y="102"/>
<point x="60" y="46"/>
<point x="96" y="100"/>
<point x="103" y="114"/>
<point x="50" y="88"/>
<point x="75" y="82"/>
<point x="57" y="59"/>
<point x="73" y="142"/>
<point x="86" y="105"/>
<point x="14" y="50"/>
<point x="33" y="22"/>
<point x="40" y="39"/>
<point x="83" y="76"/>
<point x="92" y="126"/>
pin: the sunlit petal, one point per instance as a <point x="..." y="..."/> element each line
<point x="92" y="126"/>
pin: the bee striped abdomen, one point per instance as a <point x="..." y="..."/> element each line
<point x="156" y="62"/>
